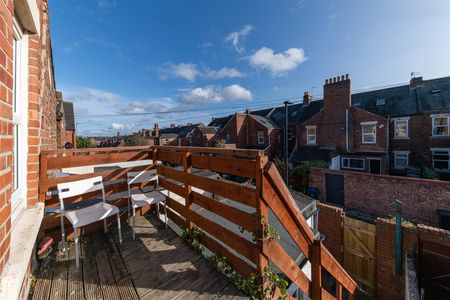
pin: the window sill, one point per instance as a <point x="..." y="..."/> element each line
<point x="365" y="143"/>
<point x="440" y="136"/>
<point x="401" y="138"/>
<point x="23" y="240"/>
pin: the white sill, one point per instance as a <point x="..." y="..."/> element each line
<point x="23" y="239"/>
<point x="401" y="137"/>
<point x="440" y="136"/>
<point x="367" y="143"/>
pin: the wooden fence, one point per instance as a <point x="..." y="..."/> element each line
<point x="175" y="168"/>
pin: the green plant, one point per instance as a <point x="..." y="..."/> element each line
<point x="137" y="140"/>
<point x="430" y="174"/>
<point x="268" y="232"/>
<point x="274" y="282"/>
<point x="304" y="168"/>
<point x="83" y="142"/>
<point x="193" y="237"/>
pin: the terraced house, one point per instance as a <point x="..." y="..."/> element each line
<point x="381" y="131"/>
<point x="28" y="124"/>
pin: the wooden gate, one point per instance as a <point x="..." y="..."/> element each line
<point x="359" y="253"/>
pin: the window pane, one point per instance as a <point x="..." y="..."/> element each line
<point x="441" y="121"/>
<point x="441" y="164"/>
<point x="356" y="163"/>
<point x="401" y="128"/>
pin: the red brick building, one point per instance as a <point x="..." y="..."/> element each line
<point x="380" y="131"/>
<point x="203" y="136"/>
<point x="28" y="124"/>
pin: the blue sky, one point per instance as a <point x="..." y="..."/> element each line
<point x="187" y="61"/>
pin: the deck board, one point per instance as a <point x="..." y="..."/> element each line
<point x="158" y="264"/>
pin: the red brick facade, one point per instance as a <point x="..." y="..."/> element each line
<point x="199" y="139"/>
<point x="331" y="219"/>
<point x="242" y="130"/>
<point x="41" y="100"/>
<point x="376" y="194"/>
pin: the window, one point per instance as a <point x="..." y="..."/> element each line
<point x="440" y="125"/>
<point x="311" y="135"/>
<point x="401" y="128"/>
<point x="369" y="132"/>
<point x="441" y="159"/>
<point x="260" y="137"/>
<point x="401" y="159"/>
<point x="20" y="121"/>
<point x="352" y="163"/>
<point x="289" y="134"/>
<point x="227" y="139"/>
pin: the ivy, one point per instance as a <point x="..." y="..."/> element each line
<point x="268" y="232"/>
<point x="192" y="237"/>
<point x="251" y="285"/>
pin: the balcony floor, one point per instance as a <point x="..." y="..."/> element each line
<point x="157" y="265"/>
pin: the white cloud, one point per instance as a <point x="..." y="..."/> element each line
<point x="155" y="106"/>
<point x="237" y="38"/>
<point x="205" y="45"/>
<point x="277" y="63"/>
<point x="107" y="3"/>
<point x="186" y="71"/>
<point x="191" y="72"/>
<point x="216" y="94"/>
<point x="223" y="73"/>
<point x="119" y="126"/>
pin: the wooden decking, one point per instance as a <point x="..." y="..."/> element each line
<point x="157" y="265"/>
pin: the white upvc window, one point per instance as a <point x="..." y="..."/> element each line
<point x="369" y="132"/>
<point x="352" y="163"/>
<point x="401" y="159"/>
<point x="260" y="137"/>
<point x="311" y="136"/>
<point x="20" y="121"/>
<point x="227" y="139"/>
<point x="441" y="159"/>
<point x="440" y="125"/>
<point x="289" y="134"/>
<point x="401" y="128"/>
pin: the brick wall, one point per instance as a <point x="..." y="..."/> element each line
<point x="330" y="225"/>
<point x="389" y="285"/>
<point x="6" y="127"/>
<point x="376" y="194"/>
<point x="41" y="112"/>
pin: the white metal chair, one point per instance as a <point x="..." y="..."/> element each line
<point x="145" y="198"/>
<point x="86" y="215"/>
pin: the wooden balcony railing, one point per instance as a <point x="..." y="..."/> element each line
<point x="178" y="172"/>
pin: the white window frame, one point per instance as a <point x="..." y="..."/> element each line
<point x="374" y="134"/>
<point x="260" y="137"/>
<point x="20" y="121"/>
<point x="433" y="150"/>
<point x="401" y="153"/>
<point x="308" y="135"/>
<point x="396" y="123"/>
<point x="289" y="134"/>
<point x="433" y="117"/>
<point x="348" y="159"/>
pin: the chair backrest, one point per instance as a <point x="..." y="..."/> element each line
<point x="142" y="176"/>
<point x="79" y="187"/>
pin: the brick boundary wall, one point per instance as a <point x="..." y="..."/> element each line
<point x="389" y="285"/>
<point x="331" y="219"/>
<point x="376" y="194"/>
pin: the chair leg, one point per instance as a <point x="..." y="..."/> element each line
<point x="165" y="212"/>
<point x="118" y="227"/>
<point x="63" y="233"/>
<point x="77" y="255"/>
<point x="104" y="225"/>
<point x="157" y="210"/>
<point x="134" y="221"/>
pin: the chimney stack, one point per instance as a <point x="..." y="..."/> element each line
<point x="156" y="130"/>
<point x="189" y="124"/>
<point x="247" y="111"/>
<point x="172" y="125"/>
<point x="415" y="82"/>
<point x="337" y="93"/>
<point x="307" y="98"/>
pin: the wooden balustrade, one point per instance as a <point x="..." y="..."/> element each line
<point x="187" y="188"/>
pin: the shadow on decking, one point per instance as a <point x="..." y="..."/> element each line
<point x="158" y="264"/>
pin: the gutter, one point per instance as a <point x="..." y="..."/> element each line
<point x="346" y="130"/>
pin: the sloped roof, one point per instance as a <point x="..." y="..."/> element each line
<point x="262" y="112"/>
<point x="266" y="122"/>
<point x="402" y="100"/>
<point x="220" y="122"/>
<point x="297" y="113"/>
<point x="208" y="129"/>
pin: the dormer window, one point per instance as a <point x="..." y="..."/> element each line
<point x="440" y="125"/>
<point x="369" y="132"/>
<point x="381" y="101"/>
<point x="401" y="128"/>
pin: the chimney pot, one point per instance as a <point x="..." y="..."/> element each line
<point x="346" y="76"/>
<point x="307" y="98"/>
<point x="334" y="79"/>
<point x="326" y="81"/>
<point x="342" y="77"/>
